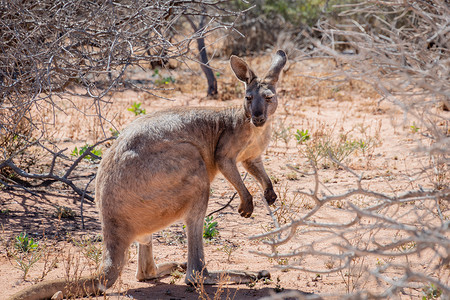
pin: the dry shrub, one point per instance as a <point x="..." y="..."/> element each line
<point x="397" y="238"/>
<point x="54" y="51"/>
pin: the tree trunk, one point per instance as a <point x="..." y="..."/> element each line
<point x="204" y="62"/>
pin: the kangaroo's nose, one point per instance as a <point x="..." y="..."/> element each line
<point x="259" y="120"/>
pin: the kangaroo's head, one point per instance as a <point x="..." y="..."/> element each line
<point x="260" y="95"/>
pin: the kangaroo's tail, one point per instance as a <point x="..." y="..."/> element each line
<point x="46" y="289"/>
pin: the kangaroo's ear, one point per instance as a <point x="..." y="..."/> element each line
<point x="241" y="69"/>
<point x="278" y="63"/>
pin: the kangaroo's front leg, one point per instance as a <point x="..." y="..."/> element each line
<point x="256" y="168"/>
<point x="228" y="168"/>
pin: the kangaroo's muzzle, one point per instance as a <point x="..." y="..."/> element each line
<point x="259" y="120"/>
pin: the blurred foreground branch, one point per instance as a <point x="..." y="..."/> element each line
<point x="397" y="242"/>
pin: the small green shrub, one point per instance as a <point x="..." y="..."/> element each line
<point x="292" y="176"/>
<point x="176" y="276"/>
<point x="26" y="253"/>
<point x="302" y="136"/>
<point x="95" y="151"/>
<point x="137" y="109"/>
<point x="430" y="291"/>
<point x="24" y="243"/>
<point x="414" y="128"/>
<point x="165" y="80"/>
<point x="210" y="228"/>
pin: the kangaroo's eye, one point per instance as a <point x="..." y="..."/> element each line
<point x="269" y="98"/>
<point x="248" y="97"/>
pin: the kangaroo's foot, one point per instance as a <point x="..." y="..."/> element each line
<point x="161" y="271"/>
<point x="228" y="276"/>
<point x="246" y="207"/>
<point x="270" y="196"/>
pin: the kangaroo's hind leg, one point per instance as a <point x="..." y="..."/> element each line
<point x="194" y="225"/>
<point x="196" y="270"/>
<point x="147" y="269"/>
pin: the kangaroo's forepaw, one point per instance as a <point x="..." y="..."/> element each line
<point x="270" y="196"/>
<point x="246" y="211"/>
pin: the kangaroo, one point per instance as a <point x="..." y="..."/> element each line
<point x="159" y="171"/>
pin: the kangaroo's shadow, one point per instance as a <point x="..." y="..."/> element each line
<point x="161" y="290"/>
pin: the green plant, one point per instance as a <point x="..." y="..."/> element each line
<point x="414" y="128"/>
<point x="407" y="246"/>
<point x="165" y="80"/>
<point x="26" y="260"/>
<point x="96" y="152"/>
<point x="302" y="136"/>
<point x="337" y="203"/>
<point x="64" y="212"/>
<point x="282" y="261"/>
<point x="340" y="149"/>
<point x="210" y="228"/>
<point x="26" y="253"/>
<point x="295" y="12"/>
<point x="380" y="262"/>
<point x="137" y="109"/>
<point x="430" y="291"/>
<point x="366" y="146"/>
<point x="24" y="243"/>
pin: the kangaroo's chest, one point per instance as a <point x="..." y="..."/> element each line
<point x="257" y="142"/>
